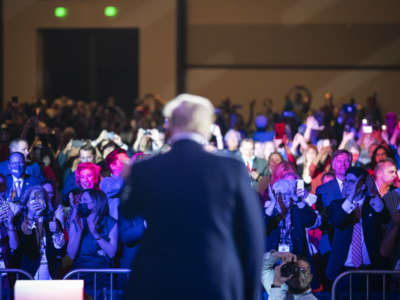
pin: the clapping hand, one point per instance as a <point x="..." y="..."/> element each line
<point x="53" y="226"/>
<point x="347" y="136"/>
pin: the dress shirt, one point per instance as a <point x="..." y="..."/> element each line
<point x="365" y="257"/>
<point x="18" y="183"/>
<point x="340" y="182"/>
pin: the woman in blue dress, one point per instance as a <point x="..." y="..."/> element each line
<point x="93" y="238"/>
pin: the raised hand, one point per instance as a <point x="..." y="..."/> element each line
<point x="282" y="205"/>
<point x="53" y="225"/>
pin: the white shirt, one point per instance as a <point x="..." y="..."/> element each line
<point x="377" y="205"/>
<point x="365" y="256"/>
<point x="18" y="183"/>
<point x="340" y="183"/>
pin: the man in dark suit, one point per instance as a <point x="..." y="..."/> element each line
<point x="358" y="220"/>
<point x="32" y="169"/>
<point x="257" y="167"/>
<point x="17" y="182"/>
<point x="326" y="193"/>
<point x="204" y="238"/>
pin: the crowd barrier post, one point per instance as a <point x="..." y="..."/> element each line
<point x="367" y="273"/>
<point x="110" y="271"/>
<point x="17" y="272"/>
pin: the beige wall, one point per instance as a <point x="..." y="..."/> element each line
<point x="156" y="20"/>
<point x="229" y="32"/>
<point x="287" y="36"/>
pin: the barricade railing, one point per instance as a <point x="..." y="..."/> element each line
<point x="366" y="273"/>
<point x="110" y="271"/>
<point x="3" y="272"/>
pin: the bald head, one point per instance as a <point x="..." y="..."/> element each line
<point x="385" y="171"/>
<point x="189" y="113"/>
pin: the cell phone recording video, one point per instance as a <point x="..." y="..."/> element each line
<point x="367" y="129"/>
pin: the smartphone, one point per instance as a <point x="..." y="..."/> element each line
<point x="77" y="143"/>
<point x="300" y="184"/>
<point x="364" y="121"/>
<point x="367" y="129"/>
<point x="384" y="127"/>
<point x="279" y="130"/>
<point x="326" y="143"/>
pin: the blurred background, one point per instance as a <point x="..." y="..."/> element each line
<point x="241" y="49"/>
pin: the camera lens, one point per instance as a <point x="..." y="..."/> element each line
<point x="289" y="268"/>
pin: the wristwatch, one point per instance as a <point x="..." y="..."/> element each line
<point x="275" y="286"/>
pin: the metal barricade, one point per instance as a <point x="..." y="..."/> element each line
<point x="110" y="271"/>
<point x="367" y="273"/>
<point x="15" y="271"/>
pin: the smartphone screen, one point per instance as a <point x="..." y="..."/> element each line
<point x="279" y="130"/>
<point x="367" y="129"/>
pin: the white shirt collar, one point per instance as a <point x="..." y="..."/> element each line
<point x="340" y="182"/>
<point x="196" y="137"/>
<point x="15" y="179"/>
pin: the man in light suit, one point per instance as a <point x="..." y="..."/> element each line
<point x="204" y="238"/>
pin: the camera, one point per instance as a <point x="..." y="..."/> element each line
<point x="290" y="268"/>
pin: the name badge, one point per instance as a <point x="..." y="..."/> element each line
<point x="284" y="248"/>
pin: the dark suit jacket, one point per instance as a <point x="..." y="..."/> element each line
<point x="205" y="234"/>
<point x="301" y="218"/>
<point x="343" y="222"/>
<point x="29" y="181"/>
<point x="32" y="169"/>
<point x="326" y="193"/>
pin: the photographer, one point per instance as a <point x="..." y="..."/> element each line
<point x="291" y="278"/>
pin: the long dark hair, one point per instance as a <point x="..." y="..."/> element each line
<point x="100" y="202"/>
<point x="389" y="154"/>
<point x="26" y="195"/>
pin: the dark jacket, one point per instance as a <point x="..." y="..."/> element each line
<point x="205" y="234"/>
<point x="343" y="223"/>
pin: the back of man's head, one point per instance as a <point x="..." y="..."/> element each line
<point x="19" y="145"/>
<point x="189" y="113"/>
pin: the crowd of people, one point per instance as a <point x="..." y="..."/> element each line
<point x="326" y="180"/>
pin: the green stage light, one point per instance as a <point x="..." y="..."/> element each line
<point x="60" y="12"/>
<point x="111" y="11"/>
